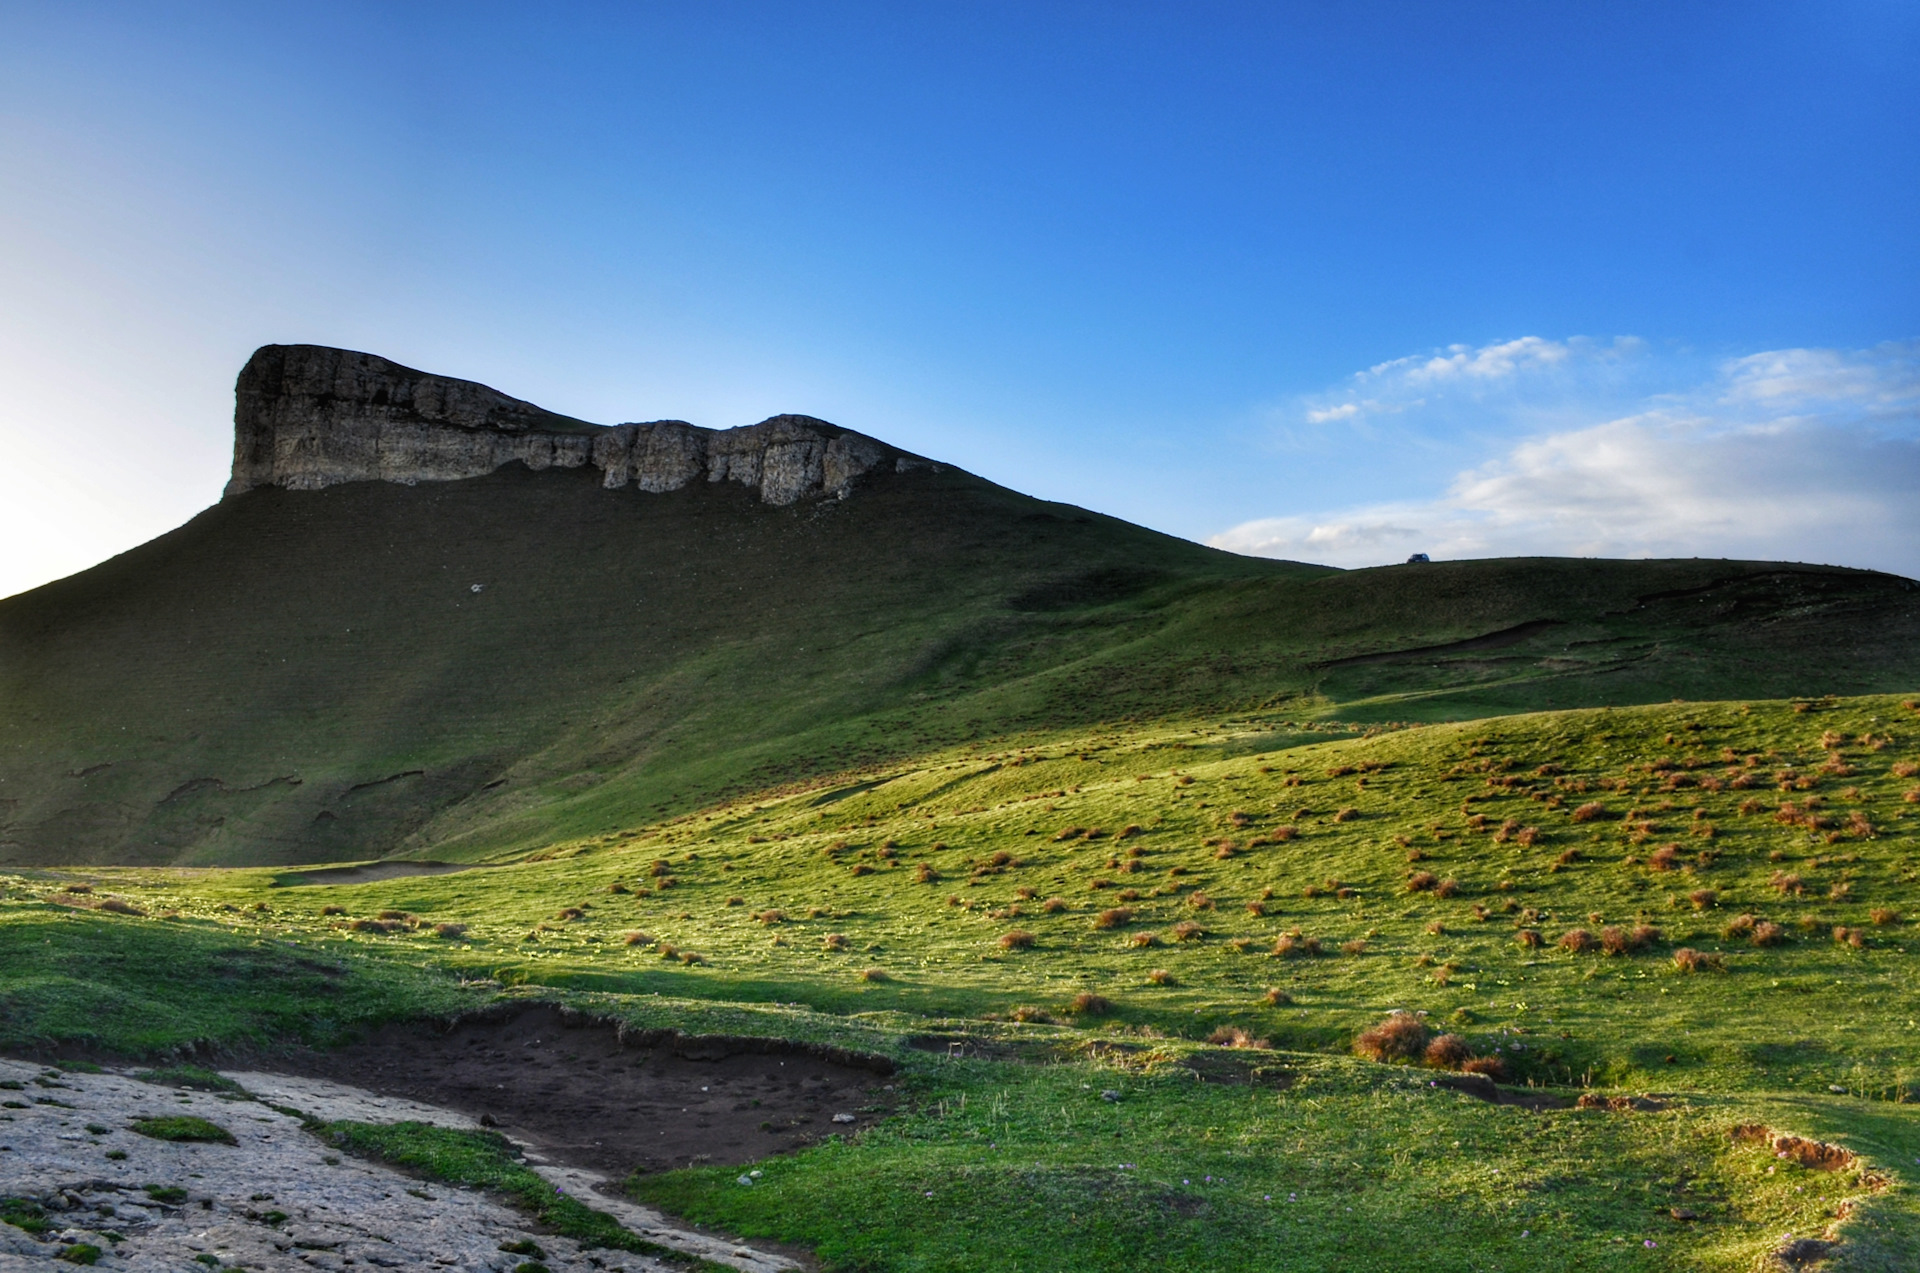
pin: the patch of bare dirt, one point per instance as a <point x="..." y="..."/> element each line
<point x="586" y="1093"/>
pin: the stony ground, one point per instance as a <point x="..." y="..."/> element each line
<point x="277" y="1198"/>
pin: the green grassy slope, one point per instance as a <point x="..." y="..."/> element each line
<point x="310" y="676"/>
<point x="1799" y="815"/>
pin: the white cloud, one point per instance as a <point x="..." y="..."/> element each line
<point x="1472" y="373"/>
<point x="1798" y="454"/>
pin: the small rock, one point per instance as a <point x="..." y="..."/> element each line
<point x="843" y="1118"/>
<point x="743" y="1180"/>
<point x="1684" y="1213"/>
<point x="1109" y="1095"/>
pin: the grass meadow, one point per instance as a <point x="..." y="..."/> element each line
<point x="1123" y="970"/>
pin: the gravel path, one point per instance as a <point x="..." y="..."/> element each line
<point x="278" y="1199"/>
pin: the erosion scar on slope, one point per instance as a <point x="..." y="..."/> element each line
<point x="571" y="1087"/>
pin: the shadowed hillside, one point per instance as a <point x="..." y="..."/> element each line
<point x="467" y="668"/>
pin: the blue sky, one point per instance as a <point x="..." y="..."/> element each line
<point x="1334" y="281"/>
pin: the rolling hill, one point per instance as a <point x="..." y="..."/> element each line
<point x="429" y="620"/>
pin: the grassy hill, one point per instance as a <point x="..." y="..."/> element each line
<point x="471" y="669"/>
<point x="1200" y="916"/>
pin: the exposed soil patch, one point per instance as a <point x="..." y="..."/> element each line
<point x="1487" y="1090"/>
<point x="370" y="873"/>
<point x="573" y="1087"/>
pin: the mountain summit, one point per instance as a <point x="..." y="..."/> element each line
<point x="430" y="619"/>
<point x="307" y="417"/>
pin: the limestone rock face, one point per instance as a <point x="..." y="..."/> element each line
<point x="307" y="417"/>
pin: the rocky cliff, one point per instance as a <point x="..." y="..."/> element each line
<point x="307" y="417"/>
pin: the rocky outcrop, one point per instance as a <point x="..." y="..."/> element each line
<point x="307" y="417"/>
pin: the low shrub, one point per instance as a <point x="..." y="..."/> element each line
<point x="1447" y="1052"/>
<point x="1488" y="1067"/>
<point x="1402" y="1037"/>
<point x="1687" y="959"/>
<point x="1018" y="939"/>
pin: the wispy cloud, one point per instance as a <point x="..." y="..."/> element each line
<point x="1464" y="374"/>
<point x="1794" y="454"/>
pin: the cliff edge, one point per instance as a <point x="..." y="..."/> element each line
<point x="307" y="417"/>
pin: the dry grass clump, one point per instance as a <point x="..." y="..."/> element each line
<point x="1256" y="908"/>
<point x="1186" y="930"/>
<point x="1447" y="1052"/>
<point x="924" y="873"/>
<point x="1140" y="941"/>
<point x="874" y="974"/>
<point x="1488" y="1067"/>
<point x="1277" y="997"/>
<point x="1422" y="882"/>
<point x="1663" y="858"/>
<point x="1687" y="959"/>
<point x="1592" y="811"/>
<point x="333" y="910"/>
<point x="771" y="917"/>
<point x="1279" y="835"/>
<point x="834" y="941"/>
<point x="1402" y="1036"/>
<point x="1054" y="905"/>
<point x="1088" y="1004"/>
<point x="1616" y="940"/>
<point x="1348" y="814"/>
<point x="1018" y="939"/>
<point x="1530" y="938"/>
<point x="1296" y="945"/>
<point x="1114" y="917"/>
<point x="1160" y="977"/>
<point x="1787" y="885"/>
<point x="1703" y="899"/>
<point x="1446" y="888"/>
<point x="1577" y="940"/>
<point x="638" y="939"/>
<point x="1883" y="916"/>
<point x="1069" y="833"/>
<point x="1767" y="933"/>
<point x="451" y="932"/>
<point x="1854" y="937"/>
<point x="1358" y="946"/>
<point x="1027" y="1012"/>
<point x="1232" y="1036"/>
